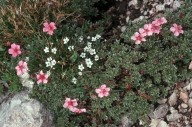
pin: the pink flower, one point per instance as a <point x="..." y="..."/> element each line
<point x="70" y="104"/>
<point x="155" y="27"/>
<point x="42" y="78"/>
<point x="176" y="29"/>
<point x="77" y="110"/>
<point x="103" y="91"/>
<point x="15" y="50"/>
<point x="142" y="32"/>
<point x="49" y="27"/>
<point x="138" y="38"/>
<point x="21" y="68"/>
<point x="160" y="21"/>
<point x="148" y="30"/>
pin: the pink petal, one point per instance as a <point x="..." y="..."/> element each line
<point x="141" y="30"/>
<point x="176" y="34"/>
<point x="13" y="45"/>
<point x="143" y="39"/>
<point x="107" y="89"/>
<point x="103" y="86"/>
<point x="67" y="99"/>
<point x="45" y="30"/>
<point x="39" y="81"/>
<point x="10" y="51"/>
<point x="172" y="29"/>
<point x="14" y="55"/>
<point x="97" y="90"/>
<point x="38" y="76"/>
<point x="41" y="72"/>
<point x="174" y="25"/>
<point x="73" y="109"/>
<point x="52" y="25"/>
<point x="138" y="42"/>
<point x="106" y="94"/>
<point x="17" y="47"/>
<point x="83" y="110"/>
<point x="133" y="38"/>
<point x="100" y="95"/>
<point x="45" y="24"/>
<point x="65" y="105"/>
<point x="46" y="76"/>
<point x="19" y="72"/>
<point x="24" y="70"/>
<point x="50" y="32"/>
<point x="45" y="81"/>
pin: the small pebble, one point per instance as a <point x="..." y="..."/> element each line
<point x="173" y="117"/>
<point x="162" y="124"/>
<point x="123" y="28"/>
<point x="127" y="19"/>
<point x="190" y="103"/>
<point x="173" y="99"/>
<point x="176" y="4"/>
<point x="162" y="101"/>
<point x="160" y="7"/>
<point x="184" y="97"/>
<point x="190" y="95"/>
<point x="183" y="105"/>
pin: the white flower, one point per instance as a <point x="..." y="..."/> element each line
<point x="46" y="50"/>
<point x="49" y="59"/>
<point x="96" y="57"/>
<point x="89" y="44"/>
<point x="70" y="48"/>
<point x="92" y="52"/>
<point x="26" y="59"/>
<point x="53" y="62"/>
<point x="80" y="67"/>
<point x="93" y="39"/>
<point x="87" y="49"/>
<point x="82" y="55"/>
<point x="80" y="73"/>
<point x="50" y="62"/>
<point x="88" y="62"/>
<point x="63" y="74"/>
<point x="54" y="50"/>
<point x="66" y="40"/>
<point x="98" y="36"/>
<point x="49" y="73"/>
<point x="74" y="80"/>
<point x="80" y="38"/>
<point x="88" y="37"/>
<point x="47" y="64"/>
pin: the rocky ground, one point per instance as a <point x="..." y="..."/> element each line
<point x="176" y="109"/>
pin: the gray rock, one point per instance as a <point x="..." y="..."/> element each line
<point x="160" y="7"/>
<point x="183" y="105"/>
<point x="173" y="117"/>
<point x="126" y="122"/>
<point x="190" y="103"/>
<point x="162" y="124"/>
<point x="22" y="111"/>
<point x="161" y="111"/>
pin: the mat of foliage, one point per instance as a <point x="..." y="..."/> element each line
<point x="137" y="75"/>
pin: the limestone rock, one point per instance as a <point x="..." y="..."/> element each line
<point x="172" y="99"/>
<point x="22" y="111"/>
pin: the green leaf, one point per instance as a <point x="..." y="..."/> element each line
<point x="2" y="49"/>
<point x="73" y="58"/>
